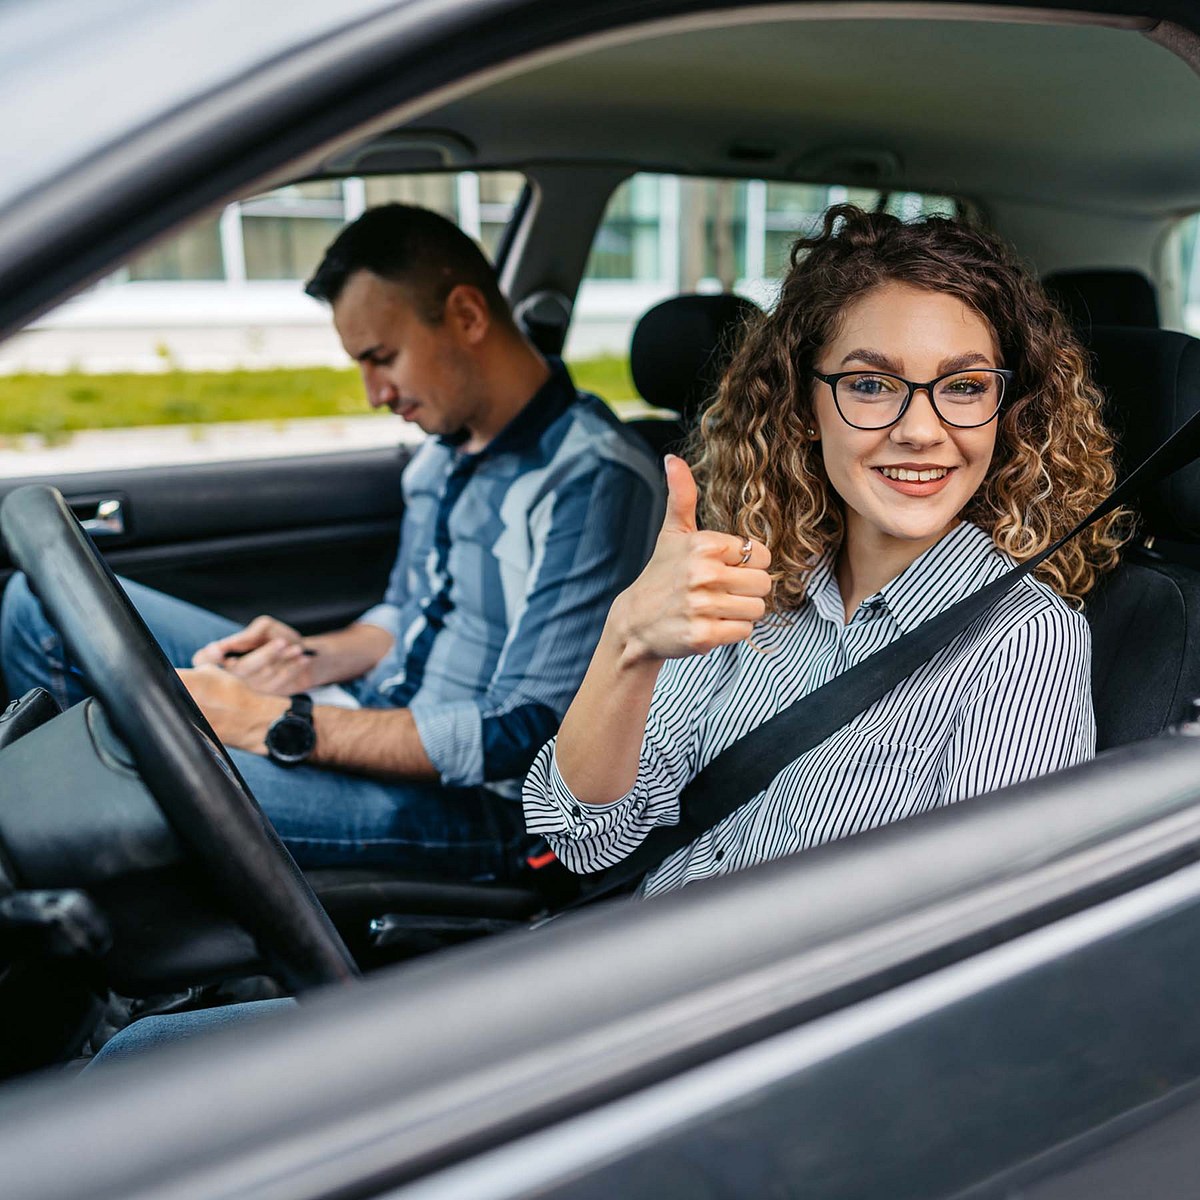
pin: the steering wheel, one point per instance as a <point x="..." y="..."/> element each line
<point x="179" y="758"/>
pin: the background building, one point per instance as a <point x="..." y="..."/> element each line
<point x="226" y="292"/>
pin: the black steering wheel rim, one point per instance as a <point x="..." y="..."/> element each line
<point x="178" y="756"/>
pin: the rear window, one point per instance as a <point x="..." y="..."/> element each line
<point x="1188" y="242"/>
<point x="666" y="234"/>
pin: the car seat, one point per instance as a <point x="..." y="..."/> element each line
<point x="1104" y="297"/>
<point x="678" y="352"/>
<point x="1145" y="615"/>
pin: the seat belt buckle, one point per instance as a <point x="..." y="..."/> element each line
<point x="548" y="877"/>
<point x="540" y="860"/>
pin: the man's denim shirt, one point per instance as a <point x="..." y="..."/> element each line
<point x="508" y="562"/>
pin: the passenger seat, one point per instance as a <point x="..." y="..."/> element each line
<point x="679" y="351"/>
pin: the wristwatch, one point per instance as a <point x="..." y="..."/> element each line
<point x="292" y="738"/>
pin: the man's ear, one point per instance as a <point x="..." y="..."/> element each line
<point x="467" y="313"/>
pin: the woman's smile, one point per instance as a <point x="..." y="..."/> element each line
<point x="915" y="479"/>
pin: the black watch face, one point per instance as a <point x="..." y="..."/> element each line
<point x="291" y="739"/>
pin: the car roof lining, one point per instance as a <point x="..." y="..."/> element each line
<point x="1051" y="111"/>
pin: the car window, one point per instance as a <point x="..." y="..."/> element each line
<point x="1186" y="238"/>
<point x="666" y="234"/>
<point x="204" y="347"/>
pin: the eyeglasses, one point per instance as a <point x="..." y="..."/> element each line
<point x="872" y="400"/>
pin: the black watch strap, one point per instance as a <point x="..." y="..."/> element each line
<point x="292" y="738"/>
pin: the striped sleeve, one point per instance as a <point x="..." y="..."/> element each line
<point x="590" y="837"/>
<point x="1029" y="710"/>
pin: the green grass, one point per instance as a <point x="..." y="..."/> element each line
<point x="56" y="406"/>
<point x="608" y="377"/>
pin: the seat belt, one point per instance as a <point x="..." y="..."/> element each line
<point x="744" y="769"/>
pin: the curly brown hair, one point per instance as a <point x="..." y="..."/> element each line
<point x="762" y="476"/>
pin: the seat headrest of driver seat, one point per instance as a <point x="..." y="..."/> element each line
<point x="1151" y="378"/>
<point x="681" y="347"/>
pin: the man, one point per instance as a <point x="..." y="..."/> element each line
<point x="402" y="739"/>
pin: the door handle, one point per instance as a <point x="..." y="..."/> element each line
<point x="100" y="518"/>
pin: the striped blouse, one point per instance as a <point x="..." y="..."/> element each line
<point x="1008" y="699"/>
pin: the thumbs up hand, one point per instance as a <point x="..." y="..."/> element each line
<point x="695" y="593"/>
<point x="681" y="497"/>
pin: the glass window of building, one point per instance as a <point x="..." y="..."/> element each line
<point x="499" y="192"/>
<point x="193" y="254"/>
<point x="628" y="244"/>
<point x="281" y="235"/>
<point x="429" y="191"/>
<point x="691" y="233"/>
<point x="479" y="202"/>
<point x="285" y="231"/>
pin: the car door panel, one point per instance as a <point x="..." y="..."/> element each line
<point x="1060" y="1067"/>
<point x="845" y="1023"/>
<point x="308" y="539"/>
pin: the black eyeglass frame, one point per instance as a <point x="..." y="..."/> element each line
<point x="913" y="388"/>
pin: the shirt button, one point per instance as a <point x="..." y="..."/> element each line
<point x="720" y="854"/>
<point x="575" y="811"/>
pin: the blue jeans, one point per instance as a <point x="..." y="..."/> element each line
<point x="326" y="818"/>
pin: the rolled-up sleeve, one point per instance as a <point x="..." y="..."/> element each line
<point x="590" y="537"/>
<point x="383" y="616"/>
<point x="590" y="837"/>
<point x="451" y="734"/>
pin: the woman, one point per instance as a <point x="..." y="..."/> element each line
<point x="912" y="418"/>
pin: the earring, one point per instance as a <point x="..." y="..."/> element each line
<point x="811" y="431"/>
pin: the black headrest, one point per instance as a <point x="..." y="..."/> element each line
<point x="1152" y="380"/>
<point x="681" y="346"/>
<point x="1110" y="297"/>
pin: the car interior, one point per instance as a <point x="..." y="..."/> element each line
<point x="141" y="871"/>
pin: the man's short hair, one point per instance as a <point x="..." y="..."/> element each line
<point x="410" y="246"/>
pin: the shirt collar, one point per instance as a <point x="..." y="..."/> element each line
<point x="964" y="560"/>
<point x="823" y="591"/>
<point x="961" y="562"/>
<point x="545" y="406"/>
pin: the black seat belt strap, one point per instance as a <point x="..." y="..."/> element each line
<point x="746" y="768"/>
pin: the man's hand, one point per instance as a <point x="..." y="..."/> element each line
<point x="373" y="741"/>
<point x="695" y="593"/>
<point x="239" y="715"/>
<point x="267" y="655"/>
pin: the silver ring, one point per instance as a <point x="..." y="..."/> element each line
<point x="747" y="550"/>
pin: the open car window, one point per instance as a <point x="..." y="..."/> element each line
<point x="204" y="347"/>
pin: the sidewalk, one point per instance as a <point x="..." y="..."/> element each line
<point x="174" y="445"/>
